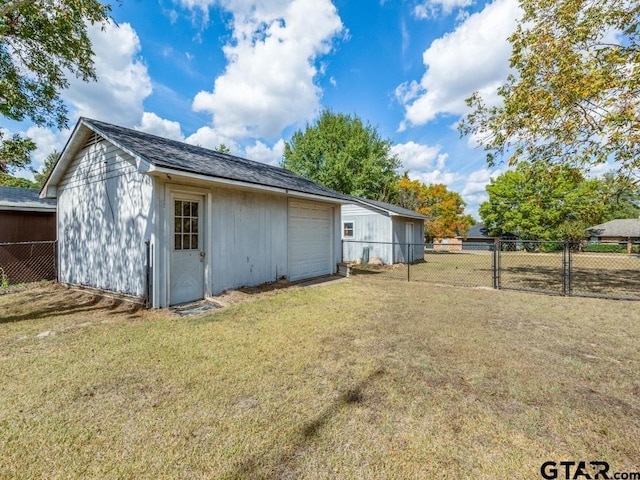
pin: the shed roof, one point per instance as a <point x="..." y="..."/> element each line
<point x="389" y="208"/>
<point x="25" y="200"/>
<point x="623" y="227"/>
<point x="163" y="153"/>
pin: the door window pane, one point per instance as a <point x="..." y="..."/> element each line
<point x="186" y="226"/>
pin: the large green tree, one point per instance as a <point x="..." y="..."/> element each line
<point x="41" y="42"/>
<point x="536" y="202"/>
<point x="345" y="154"/>
<point x="574" y="95"/>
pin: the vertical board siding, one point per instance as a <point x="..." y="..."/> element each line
<point x="248" y="239"/>
<point x="400" y="239"/>
<point x="104" y="214"/>
<point x="368" y="226"/>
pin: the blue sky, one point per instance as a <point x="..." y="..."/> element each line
<point x="250" y="73"/>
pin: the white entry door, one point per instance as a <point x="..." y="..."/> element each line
<point x="186" y="282"/>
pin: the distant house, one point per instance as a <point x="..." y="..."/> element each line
<point x="156" y="218"/>
<point x="478" y="238"/>
<point x="379" y="229"/>
<point x="625" y="231"/>
<point x="25" y="217"/>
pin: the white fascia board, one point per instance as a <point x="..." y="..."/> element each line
<point x="173" y="174"/>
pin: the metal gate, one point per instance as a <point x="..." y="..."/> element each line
<point x="565" y="268"/>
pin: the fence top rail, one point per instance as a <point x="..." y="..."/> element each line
<point x="40" y="242"/>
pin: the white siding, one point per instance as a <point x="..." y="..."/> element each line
<point x="310" y="236"/>
<point x="104" y="214"/>
<point x="400" y="240"/>
<point x="371" y="230"/>
<point x="249" y="239"/>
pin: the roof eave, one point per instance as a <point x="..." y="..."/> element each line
<point x="157" y="171"/>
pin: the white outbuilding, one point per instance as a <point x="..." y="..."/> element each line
<point x="174" y="223"/>
<point x="383" y="230"/>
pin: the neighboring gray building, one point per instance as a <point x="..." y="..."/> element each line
<point x="391" y="233"/>
<point x="624" y="231"/>
<point x="25" y="217"/>
<point x="196" y="221"/>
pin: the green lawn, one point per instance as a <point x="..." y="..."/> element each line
<point x="356" y="379"/>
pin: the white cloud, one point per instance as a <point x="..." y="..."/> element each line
<point x="47" y="141"/>
<point x="265" y="154"/>
<point x="208" y="137"/>
<point x="123" y="81"/>
<point x="152" y="123"/>
<point x="435" y="176"/>
<point x="415" y="156"/>
<point x="475" y="56"/>
<point x="268" y="83"/>
<point x="474" y="190"/>
<point x="431" y="8"/>
<point x="478" y="180"/>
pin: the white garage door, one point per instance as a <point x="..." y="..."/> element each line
<point x="310" y="240"/>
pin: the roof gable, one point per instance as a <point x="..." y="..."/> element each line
<point x="162" y="153"/>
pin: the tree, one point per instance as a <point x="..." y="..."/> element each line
<point x="222" y="148"/>
<point x="538" y="203"/>
<point x="574" y="96"/>
<point x="444" y="208"/>
<point x="41" y="42"/>
<point x="342" y="153"/>
<point x="49" y="162"/>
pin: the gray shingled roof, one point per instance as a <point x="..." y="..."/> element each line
<point x="391" y="208"/>
<point x="625" y="227"/>
<point x="180" y="156"/>
<point x="478" y="230"/>
<point x="13" y="198"/>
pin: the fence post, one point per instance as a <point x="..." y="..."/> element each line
<point x="55" y="260"/>
<point x="495" y="264"/>
<point x="566" y="268"/>
<point x="408" y="264"/>
<point x="569" y="269"/>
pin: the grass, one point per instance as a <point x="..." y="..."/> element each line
<point x="358" y="379"/>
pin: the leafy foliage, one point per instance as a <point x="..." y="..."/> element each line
<point x="342" y="153"/>
<point x="444" y="208"/>
<point x="41" y="42"/>
<point x="15" y="153"/>
<point x="535" y="202"/>
<point x="49" y="162"/>
<point x="7" y="180"/>
<point x="574" y="97"/>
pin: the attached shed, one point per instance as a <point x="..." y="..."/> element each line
<point x="25" y="217"/>
<point x="391" y="233"/>
<point x="152" y="217"/>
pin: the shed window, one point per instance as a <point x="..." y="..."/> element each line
<point x="347" y="229"/>
<point x="186" y="225"/>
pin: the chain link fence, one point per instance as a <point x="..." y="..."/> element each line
<point x="559" y="268"/>
<point x="26" y="262"/>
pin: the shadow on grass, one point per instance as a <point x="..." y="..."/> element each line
<point x="47" y="306"/>
<point x="284" y="461"/>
